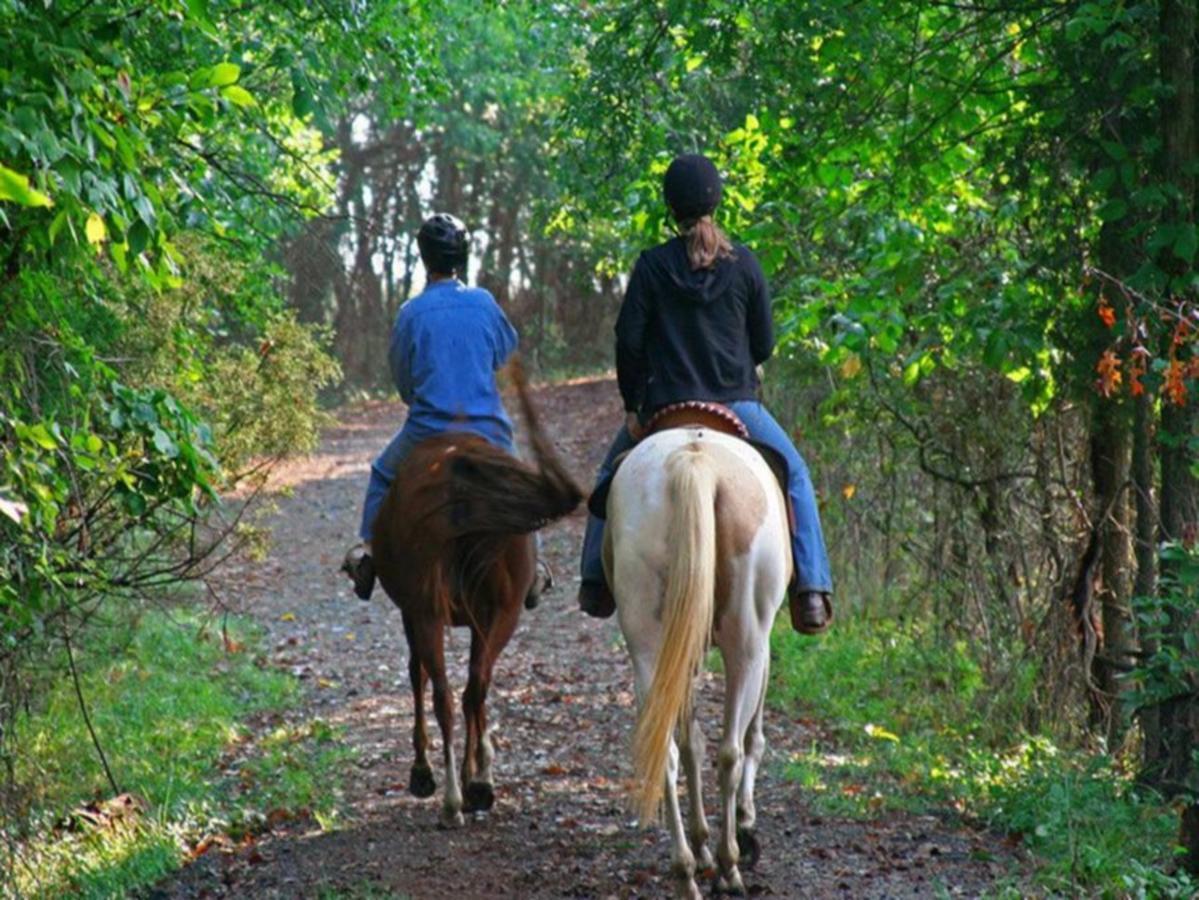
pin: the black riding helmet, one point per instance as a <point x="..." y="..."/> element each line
<point x="444" y="244"/>
<point x="692" y="186"/>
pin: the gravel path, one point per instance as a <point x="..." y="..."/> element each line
<point x="562" y="710"/>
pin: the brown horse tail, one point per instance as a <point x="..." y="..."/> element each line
<point x="687" y="611"/>
<point x="494" y="493"/>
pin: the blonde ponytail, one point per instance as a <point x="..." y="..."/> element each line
<point x="706" y="243"/>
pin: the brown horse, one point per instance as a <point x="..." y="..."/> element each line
<point x="453" y="545"/>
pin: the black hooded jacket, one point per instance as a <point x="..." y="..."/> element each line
<point x="686" y="334"/>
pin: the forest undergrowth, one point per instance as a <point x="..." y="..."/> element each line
<point x="206" y="746"/>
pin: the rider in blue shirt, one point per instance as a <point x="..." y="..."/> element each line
<point x="446" y="346"/>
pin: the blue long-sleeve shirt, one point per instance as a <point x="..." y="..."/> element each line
<point x="446" y="345"/>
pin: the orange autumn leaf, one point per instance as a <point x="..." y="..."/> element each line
<point x="1106" y="313"/>
<point x="1175" y="384"/>
<point x="1110" y="377"/>
<point x="1136" y="370"/>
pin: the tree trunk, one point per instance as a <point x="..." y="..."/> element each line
<point x="1110" y="462"/>
<point x="1178" y="715"/>
<point x="1146" y="551"/>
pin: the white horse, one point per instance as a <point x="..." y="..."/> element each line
<point x="696" y="549"/>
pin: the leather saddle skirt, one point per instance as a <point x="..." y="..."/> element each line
<point x="699" y="414"/>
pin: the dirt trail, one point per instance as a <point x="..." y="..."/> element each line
<point x="561" y="706"/>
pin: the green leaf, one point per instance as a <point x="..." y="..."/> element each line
<point x="224" y="74"/>
<point x="238" y="95"/>
<point x="56" y="225"/>
<point x="15" y="187"/>
<point x="42" y="437"/>
<point x="1187" y="242"/>
<point x="302" y="103"/>
<point x="138" y="237"/>
<point x="164" y="445"/>
<point x="1114" y="210"/>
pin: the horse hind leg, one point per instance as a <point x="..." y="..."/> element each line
<point x="691" y="746"/>
<point x="420" y="778"/>
<point x="431" y="637"/>
<point x="477" y="754"/>
<point x="743" y="683"/>
<point x="683" y="862"/>
<point x="755" y="747"/>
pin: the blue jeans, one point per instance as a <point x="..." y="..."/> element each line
<point x="383" y="470"/>
<point x="812" y="570"/>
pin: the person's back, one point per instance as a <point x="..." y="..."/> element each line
<point x="445" y="348"/>
<point x="707" y="328"/>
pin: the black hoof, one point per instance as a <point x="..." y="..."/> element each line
<point x="749" y="848"/>
<point x="532" y="601"/>
<point x="479" y="797"/>
<point x="420" y="782"/>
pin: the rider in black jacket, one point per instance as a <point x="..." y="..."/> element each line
<point x="694" y="325"/>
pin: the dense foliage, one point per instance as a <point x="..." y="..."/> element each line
<point x="152" y="156"/>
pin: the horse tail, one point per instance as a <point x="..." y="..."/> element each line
<point x="494" y="493"/>
<point x="687" y="611"/>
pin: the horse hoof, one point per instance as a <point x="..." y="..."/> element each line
<point x="750" y="851"/>
<point x="730" y="883"/>
<point x="451" y="819"/>
<point x="420" y="782"/>
<point x="480" y="797"/>
<point x="687" y="890"/>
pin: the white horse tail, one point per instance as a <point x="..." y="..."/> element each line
<point x="687" y="611"/>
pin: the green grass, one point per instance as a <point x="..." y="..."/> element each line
<point x="169" y="703"/>
<point x="909" y="725"/>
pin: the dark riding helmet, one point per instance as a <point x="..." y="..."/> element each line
<point x="444" y="244"/>
<point x="692" y="186"/>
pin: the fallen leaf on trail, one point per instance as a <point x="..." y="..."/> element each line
<point x="277" y="816"/>
<point x="325" y="683"/>
<point x="287" y="617"/>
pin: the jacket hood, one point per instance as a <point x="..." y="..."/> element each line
<point x="699" y="286"/>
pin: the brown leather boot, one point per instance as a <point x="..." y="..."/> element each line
<point x="811" y="611"/>
<point x="596" y="600"/>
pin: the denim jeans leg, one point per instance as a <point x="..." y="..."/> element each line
<point x="592" y="568"/>
<point x="383" y="473"/>
<point x="812" y="570"/>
